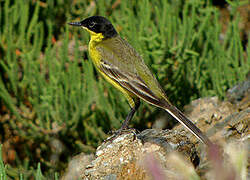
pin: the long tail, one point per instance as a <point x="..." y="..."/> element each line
<point x="178" y="115"/>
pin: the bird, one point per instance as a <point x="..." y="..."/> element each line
<point x="122" y="66"/>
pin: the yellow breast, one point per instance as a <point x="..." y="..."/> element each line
<point x="94" y="54"/>
<point x="96" y="38"/>
<point x="96" y="59"/>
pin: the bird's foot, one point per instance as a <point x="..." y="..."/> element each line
<point x="121" y="131"/>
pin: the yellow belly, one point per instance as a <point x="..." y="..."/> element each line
<point x="96" y="59"/>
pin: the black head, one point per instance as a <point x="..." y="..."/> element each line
<point x="97" y="24"/>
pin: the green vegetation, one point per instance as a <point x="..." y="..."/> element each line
<point x="50" y="92"/>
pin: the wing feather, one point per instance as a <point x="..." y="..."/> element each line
<point x="130" y="82"/>
<point x="126" y="67"/>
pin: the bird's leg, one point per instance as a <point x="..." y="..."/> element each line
<point x="124" y="126"/>
<point x="130" y="115"/>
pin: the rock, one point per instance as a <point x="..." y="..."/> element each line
<point x="130" y="157"/>
<point x="239" y="91"/>
<point x="234" y="126"/>
<point x="76" y="165"/>
<point x="220" y="120"/>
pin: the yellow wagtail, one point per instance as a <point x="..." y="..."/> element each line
<point x="118" y="62"/>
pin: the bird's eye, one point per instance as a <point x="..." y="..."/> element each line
<point x="91" y="24"/>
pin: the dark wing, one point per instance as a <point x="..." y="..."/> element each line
<point x="130" y="82"/>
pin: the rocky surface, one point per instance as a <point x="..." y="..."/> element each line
<point x="177" y="154"/>
<point x="129" y="156"/>
<point x="220" y="120"/>
<point x="143" y="156"/>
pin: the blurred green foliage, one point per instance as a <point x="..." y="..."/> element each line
<point x="4" y="171"/>
<point x="50" y="91"/>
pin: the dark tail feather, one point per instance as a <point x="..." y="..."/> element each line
<point x="178" y="115"/>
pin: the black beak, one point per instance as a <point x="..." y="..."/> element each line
<point x="75" y="23"/>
